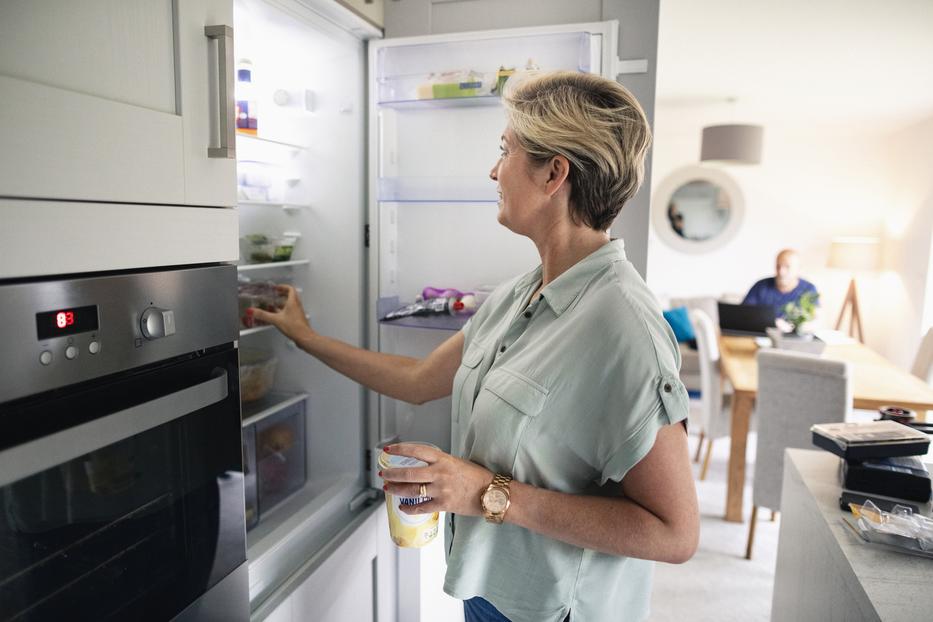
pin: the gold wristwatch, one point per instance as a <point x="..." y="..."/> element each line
<point x="495" y="499"/>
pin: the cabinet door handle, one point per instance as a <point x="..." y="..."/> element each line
<point x="225" y="125"/>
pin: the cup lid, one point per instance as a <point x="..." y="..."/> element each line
<point x="395" y="461"/>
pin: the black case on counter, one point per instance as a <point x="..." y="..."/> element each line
<point x="893" y="440"/>
<point x="901" y="477"/>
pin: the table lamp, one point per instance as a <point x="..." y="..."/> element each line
<point x="854" y="254"/>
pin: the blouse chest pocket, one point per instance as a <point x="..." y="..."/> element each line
<point x="464" y="387"/>
<point x="519" y="392"/>
<point x="505" y="407"/>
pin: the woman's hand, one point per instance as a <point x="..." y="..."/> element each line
<point x="454" y="485"/>
<point x="290" y="319"/>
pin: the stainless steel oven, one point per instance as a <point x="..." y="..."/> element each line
<point x="121" y="476"/>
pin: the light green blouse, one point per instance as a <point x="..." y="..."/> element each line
<point x="565" y="394"/>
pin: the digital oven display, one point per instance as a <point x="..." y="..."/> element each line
<point x="66" y="322"/>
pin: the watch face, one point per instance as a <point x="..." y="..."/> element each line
<point x="495" y="501"/>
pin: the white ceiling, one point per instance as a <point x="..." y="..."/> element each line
<point x="845" y="62"/>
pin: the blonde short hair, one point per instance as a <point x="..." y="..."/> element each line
<point x="594" y="122"/>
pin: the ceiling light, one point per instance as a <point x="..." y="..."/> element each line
<point x="732" y="144"/>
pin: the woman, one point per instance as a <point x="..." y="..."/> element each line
<point x="570" y="470"/>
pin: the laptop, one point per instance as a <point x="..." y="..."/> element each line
<point x="748" y="320"/>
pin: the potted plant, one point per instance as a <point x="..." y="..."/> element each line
<point x="802" y="311"/>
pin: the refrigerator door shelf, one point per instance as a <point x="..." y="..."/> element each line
<point x="478" y="67"/>
<point x="443" y="102"/>
<point x="437" y="190"/>
<point x="430" y="322"/>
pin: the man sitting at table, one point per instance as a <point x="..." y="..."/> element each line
<point x="784" y="287"/>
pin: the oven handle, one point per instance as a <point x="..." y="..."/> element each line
<point x="44" y="453"/>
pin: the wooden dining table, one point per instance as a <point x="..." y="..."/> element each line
<point x="875" y="381"/>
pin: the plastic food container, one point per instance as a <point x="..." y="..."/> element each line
<point x="262" y="248"/>
<point x="280" y="456"/>
<point x="257" y="373"/>
<point x="258" y="295"/>
<point x="408" y="530"/>
<point x="254" y="180"/>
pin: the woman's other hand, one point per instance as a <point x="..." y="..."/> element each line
<point x="454" y="485"/>
<point x="290" y="319"/>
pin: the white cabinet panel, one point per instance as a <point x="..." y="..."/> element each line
<point x="208" y="181"/>
<point x="105" y="99"/>
<point x="40" y="238"/>
<point x="58" y="144"/>
<point x="94" y="47"/>
<point x="344" y="586"/>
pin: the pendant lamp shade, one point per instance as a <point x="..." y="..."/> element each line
<point x="734" y="144"/>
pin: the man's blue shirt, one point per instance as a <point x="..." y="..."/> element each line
<point x="765" y="292"/>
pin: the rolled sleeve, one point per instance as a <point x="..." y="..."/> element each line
<point x="670" y="405"/>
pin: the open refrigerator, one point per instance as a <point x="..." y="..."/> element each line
<point x="370" y="158"/>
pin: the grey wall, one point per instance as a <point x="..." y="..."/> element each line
<point x="638" y="38"/>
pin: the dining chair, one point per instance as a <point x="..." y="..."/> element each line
<point x="923" y="362"/>
<point x="714" y="405"/>
<point x="795" y="391"/>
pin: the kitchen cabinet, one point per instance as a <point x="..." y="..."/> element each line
<point x="371" y="10"/>
<point x="354" y="580"/>
<point x="115" y="101"/>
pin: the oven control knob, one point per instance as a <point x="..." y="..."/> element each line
<point x="156" y="323"/>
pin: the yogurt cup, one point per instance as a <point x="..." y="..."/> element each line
<point x="408" y="530"/>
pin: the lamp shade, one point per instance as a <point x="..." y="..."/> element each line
<point x="855" y="253"/>
<point x="735" y="144"/>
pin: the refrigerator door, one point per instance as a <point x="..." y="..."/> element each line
<point x="435" y="122"/>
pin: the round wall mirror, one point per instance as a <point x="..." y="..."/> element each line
<point x="697" y="209"/>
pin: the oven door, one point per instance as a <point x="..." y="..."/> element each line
<point x="122" y="499"/>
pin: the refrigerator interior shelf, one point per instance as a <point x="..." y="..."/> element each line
<point x="431" y="322"/>
<point x="258" y="329"/>
<point x="254" y="330"/>
<point x="443" y="102"/>
<point x="285" y="206"/>
<point x="260" y="139"/>
<point x="275" y="264"/>
<point x="270" y="404"/>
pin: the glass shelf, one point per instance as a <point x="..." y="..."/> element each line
<point x="268" y="405"/>
<point x="443" y="102"/>
<point x="437" y="190"/>
<point x="269" y="141"/>
<point x="284" y="206"/>
<point x="430" y="322"/>
<point x="275" y="264"/>
<point x="254" y="330"/>
<point x="258" y="329"/>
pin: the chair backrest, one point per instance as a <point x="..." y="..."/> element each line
<point x="710" y="378"/>
<point x="795" y="391"/>
<point x="707" y="304"/>
<point x="923" y="362"/>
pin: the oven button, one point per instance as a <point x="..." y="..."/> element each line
<point x="93" y="347"/>
<point x="71" y="352"/>
<point x="45" y="358"/>
<point x="156" y="323"/>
